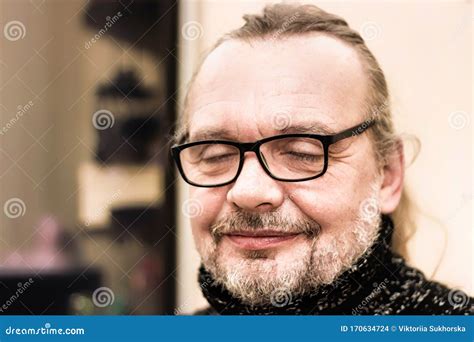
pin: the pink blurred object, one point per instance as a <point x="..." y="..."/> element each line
<point x="47" y="251"/>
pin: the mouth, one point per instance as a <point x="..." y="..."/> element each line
<point x="262" y="239"/>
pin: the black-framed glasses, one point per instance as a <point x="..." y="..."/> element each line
<point x="287" y="157"/>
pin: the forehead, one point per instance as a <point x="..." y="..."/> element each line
<point x="251" y="89"/>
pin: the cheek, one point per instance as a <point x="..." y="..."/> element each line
<point x="209" y="202"/>
<point x="333" y="200"/>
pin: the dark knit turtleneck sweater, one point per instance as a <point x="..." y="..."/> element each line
<point x="379" y="283"/>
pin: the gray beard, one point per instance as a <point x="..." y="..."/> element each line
<point x="259" y="278"/>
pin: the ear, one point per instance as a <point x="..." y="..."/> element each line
<point x="393" y="176"/>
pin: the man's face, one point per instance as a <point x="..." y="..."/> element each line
<point x="259" y="235"/>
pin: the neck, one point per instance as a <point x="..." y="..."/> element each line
<point x="347" y="291"/>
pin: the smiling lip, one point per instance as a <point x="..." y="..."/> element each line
<point x="260" y="239"/>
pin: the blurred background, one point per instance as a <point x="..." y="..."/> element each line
<point x="95" y="220"/>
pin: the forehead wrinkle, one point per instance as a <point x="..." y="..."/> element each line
<point x="221" y="103"/>
<point x="222" y="133"/>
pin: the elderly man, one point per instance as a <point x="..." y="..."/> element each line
<point x="288" y="144"/>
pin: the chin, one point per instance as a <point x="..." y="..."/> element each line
<point x="255" y="275"/>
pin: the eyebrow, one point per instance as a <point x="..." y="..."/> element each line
<point x="309" y="128"/>
<point x="213" y="133"/>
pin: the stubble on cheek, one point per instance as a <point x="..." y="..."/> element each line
<point x="299" y="267"/>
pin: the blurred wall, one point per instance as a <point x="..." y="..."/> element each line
<point x="50" y="74"/>
<point x="425" y="50"/>
<point x="40" y="152"/>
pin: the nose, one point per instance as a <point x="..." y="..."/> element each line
<point x="254" y="190"/>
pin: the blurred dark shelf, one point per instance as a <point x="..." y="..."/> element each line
<point x="48" y="291"/>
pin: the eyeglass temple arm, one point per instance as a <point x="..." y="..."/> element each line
<point x="353" y="131"/>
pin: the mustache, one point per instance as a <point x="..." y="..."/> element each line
<point x="243" y="221"/>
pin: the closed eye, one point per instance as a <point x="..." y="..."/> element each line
<point x="304" y="156"/>
<point x="219" y="158"/>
